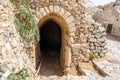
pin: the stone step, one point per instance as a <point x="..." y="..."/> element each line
<point x="92" y="75"/>
<point x="89" y="71"/>
<point x="110" y="68"/>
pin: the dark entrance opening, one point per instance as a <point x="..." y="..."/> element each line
<point x="50" y="45"/>
<point x="109" y="28"/>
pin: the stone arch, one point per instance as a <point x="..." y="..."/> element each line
<point x="65" y="21"/>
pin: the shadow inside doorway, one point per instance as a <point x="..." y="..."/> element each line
<point x="50" y="45"/>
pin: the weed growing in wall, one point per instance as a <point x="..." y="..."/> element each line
<point x="93" y="56"/>
<point x="25" y="21"/>
<point x="26" y="25"/>
<point x="20" y="75"/>
<point x="21" y="3"/>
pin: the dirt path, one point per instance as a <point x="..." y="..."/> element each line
<point x="50" y="64"/>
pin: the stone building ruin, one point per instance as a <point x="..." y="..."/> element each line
<point x="79" y="37"/>
<point x="108" y="16"/>
<point x="64" y="25"/>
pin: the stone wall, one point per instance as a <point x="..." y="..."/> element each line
<point x="13" y="53"/>
<point x="116" y="23"/>
<point x="82" y="36"/>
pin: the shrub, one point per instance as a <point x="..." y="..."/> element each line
<point x="25" y="22"/>
<point x="26" y="25"/>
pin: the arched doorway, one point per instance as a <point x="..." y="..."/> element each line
<point x="56" y="26"/>
<point x="50" y="46"/>
<point x="50" y="37"/>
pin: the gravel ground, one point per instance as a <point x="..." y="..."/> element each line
<point x="113" y="46"/>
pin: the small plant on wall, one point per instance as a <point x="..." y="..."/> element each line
<point x="21" y="3"/>
<point x="25" y="22"/>
<point x="20" y="75"/>
<point x="93" y="56"/>
<point x="26" y="25"/>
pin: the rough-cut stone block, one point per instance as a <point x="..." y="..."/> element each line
<point x="67" y="38"/>
<point x="77" y="46"/>
<point x="67" y="56"/>
<point x="102" y="29"/>
<point x="70" y="19"/>
<point x="38" y="15"/>
<point x="3" y="17"/>
<point x="66" y="15"/>
<point x="71" y="25"/>
<point x="42" y="11"/>
<point x="72" y="34"/>
<point x="72" y="29"/>
<point x="75" y="51"/>
<point x="62" y="12"/>
<point x="72" y="40"/>
<point x="71" y="70"/>
<point x="51" y="7"/>
<point x="56" y="9"/>
<point x="47" y="10"/>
